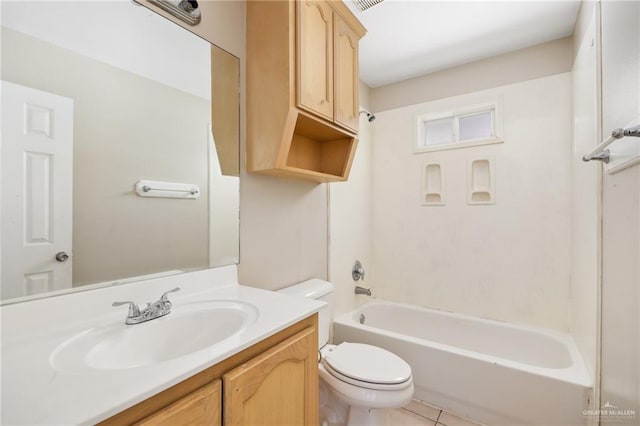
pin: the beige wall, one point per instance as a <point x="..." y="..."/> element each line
<point x="117" y="234"/>
<point x="509" y="261"/>
<point x="585" y="192"/>
<point x="545" y="59"/>
<point x="283" y="222"/>
<point x="620" y="372"/>
<point x="283" y="231"/>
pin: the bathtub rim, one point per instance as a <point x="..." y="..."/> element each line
<point x="576" y="373"/>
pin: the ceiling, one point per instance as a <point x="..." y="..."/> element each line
<point x="408" y="39"/>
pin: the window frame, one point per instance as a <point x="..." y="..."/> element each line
<point x="456" y="114"/>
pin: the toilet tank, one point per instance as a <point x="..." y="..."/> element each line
<point x="318" y="290"/>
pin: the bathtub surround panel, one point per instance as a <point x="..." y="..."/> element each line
<point x="351" y="220"/>
<point x="585" y="193"/>
<point x="509" y="261"/>
<point x="488" y="371"/>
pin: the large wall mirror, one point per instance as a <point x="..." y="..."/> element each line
<point x="119" y="150"/>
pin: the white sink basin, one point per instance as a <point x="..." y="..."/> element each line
<point x="190" y="327"/>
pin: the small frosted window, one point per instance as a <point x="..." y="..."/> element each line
<point x="438" y="131"/>
<point x="458" y="129"/>
<point x="476" y="126"/>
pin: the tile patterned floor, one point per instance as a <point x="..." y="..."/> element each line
<point x="421" y="414"/>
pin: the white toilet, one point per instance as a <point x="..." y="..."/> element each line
<point x="357" y="381"/>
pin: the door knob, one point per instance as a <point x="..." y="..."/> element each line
<point x="62" y="256"/>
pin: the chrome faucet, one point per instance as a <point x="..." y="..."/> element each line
<point x="157" y="309"/>
<point x="362" y="290"/>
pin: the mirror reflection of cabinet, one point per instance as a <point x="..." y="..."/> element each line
<point x="302" y="88"/>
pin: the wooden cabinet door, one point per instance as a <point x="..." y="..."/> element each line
<point x="202" y="407"/>
<point x="315" y="57"/>
<point x="278" y="387"/>
<point x="346" y="80"/>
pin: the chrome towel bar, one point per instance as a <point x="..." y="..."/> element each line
<point x="157" y="189"/>
<point x="191" y="191"/>
<point x="600" y="152"/>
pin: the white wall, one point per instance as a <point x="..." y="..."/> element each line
<point x="585" y="191"/>
<point x="620" y="372"/>
<point x="351" y="221"/>
<point x="509" y="261"/>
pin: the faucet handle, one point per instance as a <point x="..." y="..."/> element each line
<point x="134" y="310"/>
<point x="357" y="272"/>
<point x="165" y="295"/>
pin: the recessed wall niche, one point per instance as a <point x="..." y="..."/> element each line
<point x="433" y="186"/>
<point x="481" y="181"/>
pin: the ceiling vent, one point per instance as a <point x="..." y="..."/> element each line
<point x="366" y="4"/>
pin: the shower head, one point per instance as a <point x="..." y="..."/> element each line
<point x="370" y="115"/>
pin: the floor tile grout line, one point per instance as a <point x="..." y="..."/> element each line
<point x="419" y="414"/>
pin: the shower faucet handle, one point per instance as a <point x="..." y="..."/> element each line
<point x="357" y="272"/>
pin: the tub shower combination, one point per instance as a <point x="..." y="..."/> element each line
<point x="489" y="371"/>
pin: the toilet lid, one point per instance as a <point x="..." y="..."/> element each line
<point x="368" y="363"/>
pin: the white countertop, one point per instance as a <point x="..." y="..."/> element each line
<point x="34" y="392"/>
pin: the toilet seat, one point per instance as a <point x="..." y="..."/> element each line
<point x="366" y="366"/>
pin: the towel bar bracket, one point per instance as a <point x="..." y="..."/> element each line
<point x="604" y="156"/>
<point x="601" y="154"/>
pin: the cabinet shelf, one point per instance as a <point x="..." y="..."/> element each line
<point x="318" y="151"/>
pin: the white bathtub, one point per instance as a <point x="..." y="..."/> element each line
<point x="488" y="371"/>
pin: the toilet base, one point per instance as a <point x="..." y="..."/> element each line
<point x="335" y="411"/>
<point x="359" y="416"/>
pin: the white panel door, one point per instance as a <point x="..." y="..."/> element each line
<point x="36" y="191"/>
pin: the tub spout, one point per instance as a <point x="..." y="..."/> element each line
<point x="362" y="290"/>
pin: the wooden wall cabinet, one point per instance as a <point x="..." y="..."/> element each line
<point x="346" y="81"/>
<point x="274" y="382"/>
<point x="302" y="88"/>
<point x="315" y="57"/>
